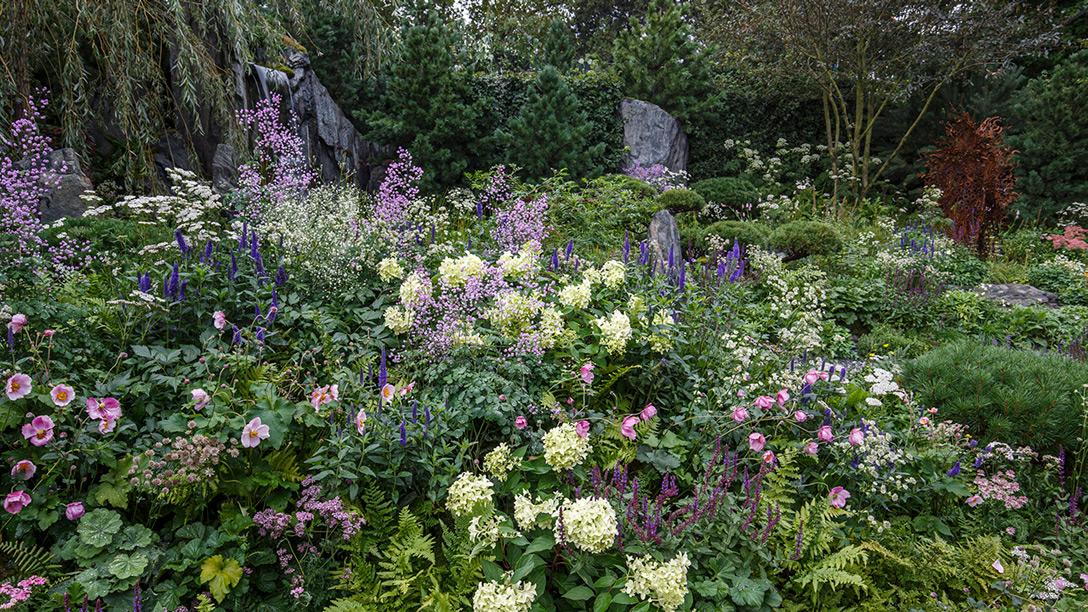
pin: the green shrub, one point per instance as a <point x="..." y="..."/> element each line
<point x="1019" y="397"/>
<point x="681" y="201"/>
<point x="887" y="340"/>
<point x="597" y="212"/>
<point x="747" y="232"/>
<point x="1024" y="245"/>
<point x="1066" y="282"/>
<point x="727" y="194"/>
<point x="804" y="238"/>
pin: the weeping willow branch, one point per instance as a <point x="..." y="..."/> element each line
<point x="141" y="68"/>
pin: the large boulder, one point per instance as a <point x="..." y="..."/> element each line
<point x="1012" y="294"/>
<point x="224" y="169"/>
<point x="63" y="187"/>
<point x="664" y="242"/>
<point x="652" y="136"/>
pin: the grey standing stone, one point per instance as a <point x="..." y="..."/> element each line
<point x="652" y="136"/>
<point x="1013" y="294"/>
<point x="65" y="185"/>
<point x="664" y="239"/>
<point x="224" y="169"/>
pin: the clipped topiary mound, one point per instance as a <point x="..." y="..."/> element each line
<point x="747" y="232"/>
<point x="727" y="193"/>
<point x="1016" y="396"/>
<point x="804" y="238"/>
<point x="681" y="201"/>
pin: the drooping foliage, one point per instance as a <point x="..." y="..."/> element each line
<point x="973" y="167"/>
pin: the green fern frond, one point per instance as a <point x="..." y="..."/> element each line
<point x="285" y="463"/>
<point x="348" y="604"/>
<point x="26" y="560"/>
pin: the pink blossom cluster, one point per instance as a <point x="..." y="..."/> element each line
<point x="19" y="592"/>
<point x="1072" y="238"/>
<point x="281" y="169"/>
<point x="1002" y="487"/>
<point x="524" y="221"/>
<point x="310" y="507"/>
<point x="442" y="317"/>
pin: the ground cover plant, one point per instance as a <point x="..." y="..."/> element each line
<point x="480" y="384"/>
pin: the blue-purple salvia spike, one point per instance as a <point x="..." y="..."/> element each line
<point x="569" y="249"/>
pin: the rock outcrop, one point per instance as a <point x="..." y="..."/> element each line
<point x="652" y="136"/>
<point x="64" y="187"/>
<point x="664" y="242"/>
<point x="1013" y="294"/>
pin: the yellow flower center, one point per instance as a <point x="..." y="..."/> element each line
<point x="62" y="395"/>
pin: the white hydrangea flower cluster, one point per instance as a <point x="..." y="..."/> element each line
<point x="615" y="331"/>
<point x="389" y="268"/>
<point x="455" y="272"/>
<point x="564" y="448"/>
<point x="468" y="493"/>
<point x="527" y="513"/>
<point x="613" y="274"/>
<point x="551" y="327"/>
<point x="663" y="583"/>
<point x="512" y="313"/>
<point x="492" y="596"/>
<point x="514" y="266"/>
<point x="576" y="296"/>
<point x="500" y="462"/>
<point x="484" y="529"/>
<point x="399" y="319"/>
<point x="414" y="289"/>
<point x="588" y="523"/>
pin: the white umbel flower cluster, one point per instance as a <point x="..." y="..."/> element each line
<point x="564" y="448"/>
<point x="663" y="583"/>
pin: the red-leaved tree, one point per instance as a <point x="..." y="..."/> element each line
<point x="973" y="167"/>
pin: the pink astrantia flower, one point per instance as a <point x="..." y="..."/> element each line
<point x="254" y="432"/>
<point x="62" y="395"/>
<point x="360" y="422"/>
<point x="200" y="398"/>
<point x="18" y="386"/>
<point x="740" y="413"/>
<point x="219" y="320"/>
<point x="521" y="422"/>
<point x="388" y="392"/>
<point x="856" y="437"/>
<point x="24" y="470"/>
<point x="649" y="412"/>
<point x="73" y="511"/>
<point x="582" y="428"/>
<point x="16" y="501"/>
<point x="800" y="416"/>
<point x="812" y="376"/>
<point x="18" y="322"/>
<point x="782" y="397"/>
<point x="39" y="430"/>
<point x="628" y="427"/>
<point x="824" y="433"/>
<point x="107" y="425"/>
<point x="756" y="441"/>
<point x="838" y="497"/>
<point x="812" y="448"/>
<point x="764" y="402"/>
<point x="586" y="373"/>
<point x="974" y="500"/>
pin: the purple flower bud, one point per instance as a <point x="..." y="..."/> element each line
<point x="180" y="239"/>
<point x="955" y="470"/>
<point x="570" y="249"/>
<point x="403" y="434"/>
<point x="383" y="373"/>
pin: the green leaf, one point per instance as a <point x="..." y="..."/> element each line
<point x="221" y="575"/>
<point x="98" y="526"/>
<point x="602" y="603"/>
<point x="578" y="593"/>
<point x="124" y="566"/>
<point x="541" y="543"/>
<point x="525" y="566"/>
<point x="748" y="592"/>
<point x="133" y="537"/>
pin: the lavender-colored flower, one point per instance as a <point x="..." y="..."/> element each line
<point x="383" y="373"/>
<point x="180" y="239"/>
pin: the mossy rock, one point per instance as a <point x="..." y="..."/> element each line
<point x="803" y="238"/>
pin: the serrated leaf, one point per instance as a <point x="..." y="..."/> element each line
<point x="133" y="537"/>
<point x="98" y="527"/>
<point x="221" y="575"/>
<point x="124" y="566"/>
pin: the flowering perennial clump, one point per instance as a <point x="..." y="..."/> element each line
<point x="564" y="448"/>
<point x="528" y="514"/>
<point x="468" y="493"/>
<point x="665" y="583"/>
<point x="500" y="462"/>
<point x="492" y="596"/>
<point x="615" y="331"/>
<point x="589" y="524"/>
